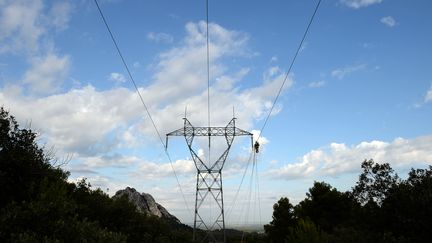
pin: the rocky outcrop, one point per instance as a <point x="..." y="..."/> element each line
<point x="145" y="203"/>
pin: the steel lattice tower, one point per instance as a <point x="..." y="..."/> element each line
<point x="209" y="175"/>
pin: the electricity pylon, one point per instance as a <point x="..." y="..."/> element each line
<point x="209" y="175"/>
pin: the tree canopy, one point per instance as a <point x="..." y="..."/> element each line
<point x="37" y="204"/>
<point x="381" y="207"/>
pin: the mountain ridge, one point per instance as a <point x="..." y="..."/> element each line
<point x="145" y="203"/>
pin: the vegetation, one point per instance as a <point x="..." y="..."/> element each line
<point x="380" y="208"/>
<point x="37" y="204"/>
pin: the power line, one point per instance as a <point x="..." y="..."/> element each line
<point x="250" y="194"/>
<point x="274" y="102"/>
<point x="257" y="189"/>
<point x="208" y="75"/>
<point x="142" y="100"/>
<point x="241" y="183"/>
<point x="208" y="61"/>
<point x="290" y="67"/>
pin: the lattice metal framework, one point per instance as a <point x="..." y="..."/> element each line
<point x="209" y="175"/>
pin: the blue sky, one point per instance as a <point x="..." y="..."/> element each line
<point x="361" y="88"/>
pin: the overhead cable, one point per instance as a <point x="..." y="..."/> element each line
<point x="274" y="102"/>
<point x="208" y="75"/>
<point x="290" y="67"/>
<point x="142" y="100"/>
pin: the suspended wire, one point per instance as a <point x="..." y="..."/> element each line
<point x="142" y="101"/>
<point x="273" y="105"/>
<point x="290" y="67"/>
<point x="241" y="183"/>
<point x="208" y="92"/>
<point x="249" y="195"/>
<point x="257" y="189"/>
<point x="208" y="61"/>
<point x="208" y="77"/>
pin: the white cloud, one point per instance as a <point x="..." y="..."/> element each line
<point x="20" y="27"/>
<point x="24" y="24"/>
<point x="151" y="170"/>
<point x="389" y="21"/>
<point x="88" y="122"/>
<point x="117" y="77"/>
<point x="273" y="78"/>
<point x="60" y="14"/>
<point x="356" y="4"/>
<point x="340" y="73"/>
<point x="24" y="29"/>
<point x="104" y="161"/>
<point x="428" y="97"/>
<point x="316" y="84"/>
<point x="227" y="82"/>
<point x="186" y="64"/>
<point x="338" y="158"/>
<point x="160" y="37"/>
<point x="78" y="121"/>
<point x="47" y="73"/>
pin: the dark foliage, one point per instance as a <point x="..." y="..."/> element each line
<point x="380" y="208"/>
<point x="374" y="183"/>
<point x="37" y="204"/>
<point x="326" y="206"/>
<point x="283" y="219"/>
<point x="24" y="168"/>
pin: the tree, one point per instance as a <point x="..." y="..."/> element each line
<point x="380" y="208"/>
<point x="374" y="183"/>
<point x="283" y="218"/>
<point x="407" y="207"/>
<point x="35" y="200"/>
<point x="37" y="204"/>
<point x="23" y="165"/>
<point x="305" y="231"/>
<point x="326" y="206"/>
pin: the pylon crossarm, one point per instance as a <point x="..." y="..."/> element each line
<point x="178" y="132"/>
<point x="189" y="130"/>
<point x="209" y="174"/>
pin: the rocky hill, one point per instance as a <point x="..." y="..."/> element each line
<point x="145" y="203"/>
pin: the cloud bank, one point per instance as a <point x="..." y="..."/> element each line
<point x="338" y="158"/>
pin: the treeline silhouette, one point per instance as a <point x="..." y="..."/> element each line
<point x="381" y="207"/>
<point x="38" y="204"/>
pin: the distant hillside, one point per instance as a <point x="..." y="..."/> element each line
<point x="145" y="203"/>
